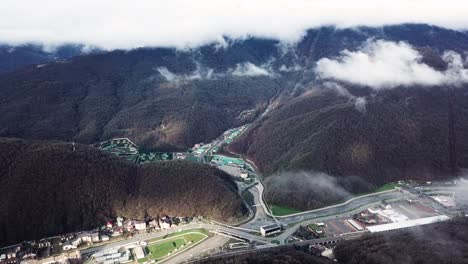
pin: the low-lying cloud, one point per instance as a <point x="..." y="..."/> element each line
<point x="360" y="103"/>
<point x="251" y="70"/>
<point x="177" y="79"/>
<point x="125" y="24"/>
<point x="384" y="64"/>
<point x="308" y="190"/>
<point x="245" y="69"/>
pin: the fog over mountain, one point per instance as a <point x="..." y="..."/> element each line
<point x="123" y="24"/>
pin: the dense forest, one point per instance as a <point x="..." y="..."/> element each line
<point x="437" y="243"/>
<point x="160" y="98"/>
<point x="169" y="99"/>
<point x="283" y="255"/>
<point x="16" y="57"/>
<point x="47" y="188"/>
<point x="404" y="133"/>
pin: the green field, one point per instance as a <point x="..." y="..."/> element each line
<point x="386" y="187"/>
<point x="282" y="210"/>
<point x="172" y="244"/>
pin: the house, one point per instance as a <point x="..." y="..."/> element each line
<point x="72" y="243"/>
<point x="154" y="224"/>
<point x="129" y="225"/>
<point x="67" y="245"/>
<point x="120" y="221"/>
<point x="165" y="222"/>
<point x="89" y="237"/>
<point x="140" y="225"/>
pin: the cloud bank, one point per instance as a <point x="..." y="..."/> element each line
<point x="384" y="64"/>
<point x="111" y="24"/>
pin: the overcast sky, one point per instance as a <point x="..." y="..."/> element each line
<point x="134" y="23"/>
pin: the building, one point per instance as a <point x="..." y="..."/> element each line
<point x="140" y="225"/>
<point x="67" y="246"/>
<point x="244" y="175"/>
<point x="270" y="229"/>
<point x="139" y="252"/>
<point x="406" y="224"/>
<point x="165" y="222"/>
<point x="120" y="221"/>
<point x="89" y="237"/>
<point x="355" y="224"/>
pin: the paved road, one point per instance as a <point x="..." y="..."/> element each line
<point x="340" y="209"/>
<point x="210" y="245"/>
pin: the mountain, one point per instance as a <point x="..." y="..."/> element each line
<point x="168" y="99"/>
<point x="47" y="188"/>
<point x="16" y="57"/>
<point x="160" y="98"/>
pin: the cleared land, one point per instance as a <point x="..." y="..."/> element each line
<point x="283" y="210"/>
<point x="168" y="246"/>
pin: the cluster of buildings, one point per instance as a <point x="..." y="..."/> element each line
<point x="38" y="253"/>
<point x="65" y="248"/>
<point x="112" y="256"/>
<point x="403" y="214"/>
<point x="386" y="217"/>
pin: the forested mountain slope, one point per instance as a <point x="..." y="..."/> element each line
<point x="437" y="243"/>
<point x="46" y="189"/>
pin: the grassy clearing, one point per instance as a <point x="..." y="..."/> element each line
<point x="282" y="210"/>
<point x="203" y="231"/>
<point x="162" y="249"/>
<point x="386" y="187"/>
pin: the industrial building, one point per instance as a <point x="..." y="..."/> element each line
<point x="406" y="224"/>
<point x="112" y="256"/>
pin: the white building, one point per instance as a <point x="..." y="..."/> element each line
<point x="407" y="224"/>
<point x="140" y="225"/>
<point x="139" y="252"/>
<point x="270" y="229"/>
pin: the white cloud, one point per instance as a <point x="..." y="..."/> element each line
<point x="127" y="24"/>
<point x="201" y="73"/>
<point x="250" y="70"/>
<point x="385" y="64"/>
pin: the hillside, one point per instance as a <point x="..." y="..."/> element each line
<point x="160" y="98"/>
<point x="16" y="57"/>
<point x="359" y="135"/>
<point x="403" y="134"/>
<point x="46" y="189"/>
<point x="436" y="243"/>
<point x="283" y="255"/>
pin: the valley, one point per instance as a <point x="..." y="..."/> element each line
<point x="339" y="146"/>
